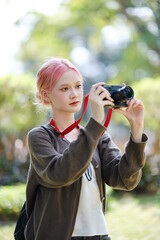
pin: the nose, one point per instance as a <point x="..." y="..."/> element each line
<point x="73" y="93"/>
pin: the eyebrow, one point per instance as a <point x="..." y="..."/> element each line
<point x="65" y="84"/>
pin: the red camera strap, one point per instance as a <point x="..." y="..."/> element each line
<point x="75" y="124"/>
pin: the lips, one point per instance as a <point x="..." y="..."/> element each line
<point x="74" y="103"/>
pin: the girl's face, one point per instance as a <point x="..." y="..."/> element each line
<point x="67" y="93"/>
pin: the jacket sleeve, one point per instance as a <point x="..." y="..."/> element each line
<point x="53" y="169"/>
<point x="122" y="171"/>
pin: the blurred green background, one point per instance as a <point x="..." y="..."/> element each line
<point x="108" y="40"/>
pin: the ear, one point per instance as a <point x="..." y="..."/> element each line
<point x="45" y="95"/>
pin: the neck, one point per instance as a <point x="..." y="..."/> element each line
<point x="63" y="121"/>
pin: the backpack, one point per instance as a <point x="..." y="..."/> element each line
<point x="22" y="218"/>
<point x="21" y="223"/>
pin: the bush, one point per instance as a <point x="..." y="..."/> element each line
<point x="11" y="200"/>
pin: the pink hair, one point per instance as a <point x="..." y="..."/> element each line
<point x="50" y="72"/>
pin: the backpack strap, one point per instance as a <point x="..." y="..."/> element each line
<point x="51" y="137"/>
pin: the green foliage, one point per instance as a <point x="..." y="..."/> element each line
<point x="134" y="217"/>
<point x="17" y="111"/>
<point x="81" y="24"/>
<point x="45" y="41"/>
<point x="11" y="200"/>
<point x="148" y="90"/>
<point x="18" y="114"/>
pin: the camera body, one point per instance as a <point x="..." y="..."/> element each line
<point x="120" y="94"/>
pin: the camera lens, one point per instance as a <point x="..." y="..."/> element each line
<point x="123" y="94"/>
<point x="128" y="92"/>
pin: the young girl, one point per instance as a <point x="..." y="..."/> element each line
<point x="65" y="187"/>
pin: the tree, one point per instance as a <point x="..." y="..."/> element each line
<point x="120" y="37"/>
<point x="18" y="115"/>
<point x="17" y="106"/>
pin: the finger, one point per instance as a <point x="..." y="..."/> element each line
<point x="95" y="86"/>
<point x="107" y="103"/>
<point x="104" y="94"/>
<point x="130" y="103"/>
<point x="138" y="103"/>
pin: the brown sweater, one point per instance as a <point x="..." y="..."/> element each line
<point x="54" y="177"/>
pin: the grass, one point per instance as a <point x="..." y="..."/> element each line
<point x="6" y="230"/>
<point x="129" y="217"/>
<point x="134" y="217"/>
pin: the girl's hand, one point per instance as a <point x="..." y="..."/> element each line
<point x="135" y="115"/>
<point x="97" y="102"/>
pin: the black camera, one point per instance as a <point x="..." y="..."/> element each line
<point x="120" y="94"/>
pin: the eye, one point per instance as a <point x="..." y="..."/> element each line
<point x="64" y="89"/>
<point x="78" y="85"/>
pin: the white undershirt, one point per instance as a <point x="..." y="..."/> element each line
<point x="90" y="220"/>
